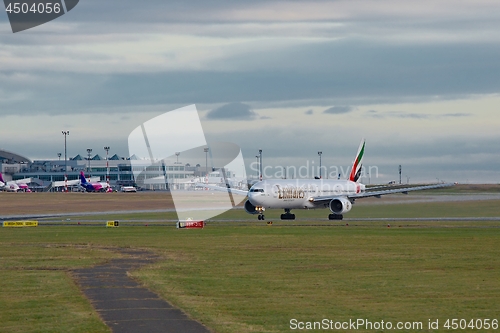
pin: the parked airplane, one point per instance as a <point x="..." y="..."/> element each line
<point x="93" y="187"/>
<point x="14" y="185"/>
<point x="337" y="195"/>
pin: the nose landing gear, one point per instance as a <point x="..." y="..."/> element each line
<point x="260" y="211"/>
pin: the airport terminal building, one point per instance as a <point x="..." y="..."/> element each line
<point x="49" y="175"/>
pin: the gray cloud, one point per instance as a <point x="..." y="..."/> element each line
<point x="413" y="115"/>
<point x="400" y="114"/>
<point x="309" y="112"/>
<point x="456" y="115"/>
<point x="374" y="114"/>
<point x="232" y="111"/>
<point x="384" y="13"/>
<point x="374" y="74"/>
<point x="339" y="109"/>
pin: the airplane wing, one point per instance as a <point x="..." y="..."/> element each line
<point x="23" y="181"/>
<point x="378" y="194"/>
<point x="223" y="189"/>
<point x="63" y="183"/>
<point x="404" y="190"/>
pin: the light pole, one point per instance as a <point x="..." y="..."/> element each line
<point x="260" y="166"/>
<point x="107" y="164"/>
<point x="65" y="133"/>
<point x="59" y="155"/>
<point x="177" y="154"/>
<point x="319" y="153"/>
<point x="400" y="174"/>
<point x="206" y="163"/>
<point x="89" y="151"/>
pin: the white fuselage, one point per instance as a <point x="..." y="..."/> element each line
<point x="9" y="187"/>
<point x="297" y="193"/>
<point x="14" y="187"/>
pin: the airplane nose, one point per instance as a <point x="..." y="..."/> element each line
<point x="256" y="198"/>
<point x="252" y="197"/>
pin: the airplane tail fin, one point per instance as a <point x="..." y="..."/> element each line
<point x="82" y="178"/>
<point x="356" y="165"/>
<point x="1" y="178"/>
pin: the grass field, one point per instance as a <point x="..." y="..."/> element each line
<point x="250" y="277"/>
<point x="37" y="293"/>
<point x="52" y="203"/>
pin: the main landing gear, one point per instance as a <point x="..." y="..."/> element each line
<point x="335" y="217"/>
<point x="261" y="217"/>
<point x="287" y="215"/>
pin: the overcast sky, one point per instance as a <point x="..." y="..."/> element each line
<point x="420" y="81"/>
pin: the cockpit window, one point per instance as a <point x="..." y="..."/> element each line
<point x="257" y="190"/>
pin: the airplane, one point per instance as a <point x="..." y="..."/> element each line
<point x="93" y="187"/>
<point x="337" y="195"/>
<point x="14" y="185"/>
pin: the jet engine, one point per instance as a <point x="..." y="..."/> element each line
<point x="339" y="205"/>
<point x="249" y="208"/>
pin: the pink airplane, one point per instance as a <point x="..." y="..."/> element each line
<point x="14" y="185"/>
<point x="93" y="187"/>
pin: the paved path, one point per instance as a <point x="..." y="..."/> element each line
<point x="127" y="307"/>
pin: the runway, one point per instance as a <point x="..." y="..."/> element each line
<point x="416" y="198"/>
<point x="58" y="217"/>
<point x="84" y="213"/>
